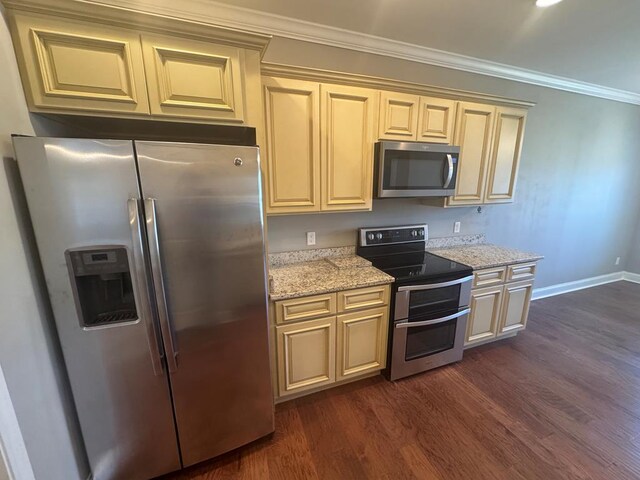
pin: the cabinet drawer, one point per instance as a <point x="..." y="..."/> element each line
<point x="305" y="308"/>
<point x="521" y="271"/>
<point x="489" y="277"/>
<point x="363" y="298"/>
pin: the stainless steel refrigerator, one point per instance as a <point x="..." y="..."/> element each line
<point x="154" y="259"/>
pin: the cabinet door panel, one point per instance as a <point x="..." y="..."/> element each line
<point x="70" y="65"/>
<point x="306" y="355"/>
<point x="474" y="129"/>
<point x="398" y="116"/>
<point x="292" y="109"/>
<point x="505" y="155"/>
<point x="485" y="314"/>
<point x="362" y="340"/>
<point x="515" y="307"/>
<point x="348" y="119"/>
<point x="435" y="121"/>
<point x="191" y="79"/>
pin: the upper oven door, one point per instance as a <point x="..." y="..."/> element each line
<point x="414" y="169"/>
<point x="419" y="300"/>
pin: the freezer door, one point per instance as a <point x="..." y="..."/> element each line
<point x="87" y="233"/>
<point x="204" y="220"/>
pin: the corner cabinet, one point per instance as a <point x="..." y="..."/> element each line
<point x="325" y="339"/>
<point x="74" y="65"/>
<point x="318" y="146"/>
<point x="490" y="140"/>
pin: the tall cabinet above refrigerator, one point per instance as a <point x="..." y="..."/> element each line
<point x="154" y="259"/>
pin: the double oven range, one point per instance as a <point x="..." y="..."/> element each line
<point x="430" y="299"/>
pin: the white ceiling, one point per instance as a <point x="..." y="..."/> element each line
<point x="594" y="41"/>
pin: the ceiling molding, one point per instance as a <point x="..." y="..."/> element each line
<point x="267" y="23"/>
<point x="379" y="83"/>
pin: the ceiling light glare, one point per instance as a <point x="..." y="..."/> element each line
<point x="546" y="3"/>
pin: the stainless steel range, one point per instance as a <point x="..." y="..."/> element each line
<point x="430" y="299"/>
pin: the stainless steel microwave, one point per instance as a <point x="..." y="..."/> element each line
<point x="415" y="169"/>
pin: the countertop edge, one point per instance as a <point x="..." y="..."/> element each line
<point x="320" y="291"/>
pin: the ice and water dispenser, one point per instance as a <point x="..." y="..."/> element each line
<point x="102" y="281"/>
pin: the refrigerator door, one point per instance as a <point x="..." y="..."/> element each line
<point x="203" y="208"/>
<point x="78" y="194"/>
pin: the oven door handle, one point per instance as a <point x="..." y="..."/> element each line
<point x="449" y="176"/>
<point x="434" y="321"/>
<point x="413" y="288"/>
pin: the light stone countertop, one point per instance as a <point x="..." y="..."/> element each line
<point x="485" y="255"/>
<point x="322" y="276"/>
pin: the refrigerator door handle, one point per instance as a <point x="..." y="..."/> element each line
<point x="143" y="286"/>
<point x="158" y="282"/>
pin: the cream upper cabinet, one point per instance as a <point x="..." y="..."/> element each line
<point x="306" y="355"/>
<point x="78" y="66"/>
<point x="415" y="118"/>
<point x="505" y="155"/>
<point x="515" y="307"/>
<point x="435" y="120"/>
<point x="485" y="314"/>
<point x="193" y="79"/>
<point x="292" y="131"/>
<point x="398" y="118"/>
<point x="474" y="132"/>
<point x="362" y="340"/>
<point x="347" y="134"/>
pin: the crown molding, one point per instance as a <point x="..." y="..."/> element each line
<point x="277" y="25"/>
<point x="354" y="79"/>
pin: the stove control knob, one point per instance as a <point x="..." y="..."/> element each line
<point x="370" y="236"/>
<point x="414" y="233"/>
<point x="379" y="236"/>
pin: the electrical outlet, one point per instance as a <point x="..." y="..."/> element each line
<point x="456" y="227"/>
<point x="311" y="238"/>
<point x="617" y="260"/>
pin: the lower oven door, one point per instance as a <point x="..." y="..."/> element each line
<point x="423" y="343"/>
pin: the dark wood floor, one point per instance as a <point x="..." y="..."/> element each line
<point x="559" y="401"/>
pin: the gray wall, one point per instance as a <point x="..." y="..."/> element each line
<point x="29" y="351"/>
<point x="577" y="198"/>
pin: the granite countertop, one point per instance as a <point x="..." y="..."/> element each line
<point x="323" y="276"/>
<point x="485" y="255"/>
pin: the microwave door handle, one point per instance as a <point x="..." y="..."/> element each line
<point x="413" y="288"/>
<point x="447" y="180"/>
<point x="435" y="321"/>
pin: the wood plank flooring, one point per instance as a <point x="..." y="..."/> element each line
<point x="559" y="401"/>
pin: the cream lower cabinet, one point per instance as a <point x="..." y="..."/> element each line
<point x="362" y="342"/>
<point x="485" y="314"/>
<point x="515" y="308"/>
<point x="306" y="355"/>
<point x="315" y="348"/>
<point x="501" y="309"/>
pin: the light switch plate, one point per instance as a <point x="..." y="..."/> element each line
<point x="456" y="227"/>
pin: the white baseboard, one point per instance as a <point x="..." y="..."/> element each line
<point x="631" y="277"/>
<point x="567" y="287"/>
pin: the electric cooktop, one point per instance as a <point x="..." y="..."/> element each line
<point x="400" y="252"/>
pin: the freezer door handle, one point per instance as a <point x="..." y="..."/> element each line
<point x="142" y="286"/>
<point x="158" y="283"/>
